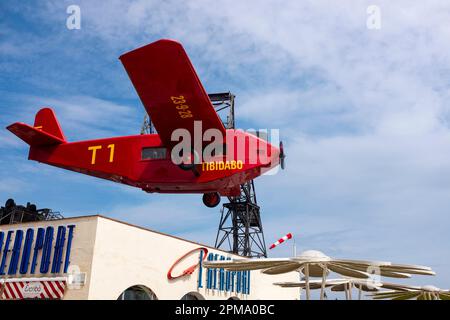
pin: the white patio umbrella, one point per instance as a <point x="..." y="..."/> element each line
<point x="314" y="263"/>
<point x="407" y="292"/>
<point x="344" y="284"/>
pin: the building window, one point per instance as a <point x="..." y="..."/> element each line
<point x="153" y="153"/>
<point x="138" y="293"/>
<point x="192" y="296"/>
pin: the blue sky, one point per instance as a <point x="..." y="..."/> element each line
<point x="363" y="113"/>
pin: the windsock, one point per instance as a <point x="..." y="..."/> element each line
<point x="281" y="240"/>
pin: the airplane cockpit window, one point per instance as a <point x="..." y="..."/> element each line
<point x="153" y="153"/>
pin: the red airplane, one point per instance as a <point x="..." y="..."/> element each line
<point x="174" y="98"/>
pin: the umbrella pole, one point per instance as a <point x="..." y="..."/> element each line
<point x="350" y="290"/>
<point x="307" y="281"/>
<point x="360" y="292"/>
<point x="300" y="288"/>
<point x="346" y="291"/>
<point x="322" y="287"/>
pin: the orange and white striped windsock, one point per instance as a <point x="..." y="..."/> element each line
<point x="281" y="240"/>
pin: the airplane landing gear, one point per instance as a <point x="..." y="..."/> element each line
<point x="211" y="199"/>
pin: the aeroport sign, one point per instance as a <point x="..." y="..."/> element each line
<point x="213" y="279"/>
<point x="35" y="250"/>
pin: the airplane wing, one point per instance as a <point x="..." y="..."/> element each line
<point x="170" y="89"/>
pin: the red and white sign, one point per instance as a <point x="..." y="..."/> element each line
<point x="53" y="289"/>
<point x="281" y="240"/>
<point x="190" y="270"/>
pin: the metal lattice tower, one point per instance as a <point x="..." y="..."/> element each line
<point x="240" y="223"/>
<point x="147" y="126"/>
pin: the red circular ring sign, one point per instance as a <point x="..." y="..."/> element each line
<point x="190" y="269"/>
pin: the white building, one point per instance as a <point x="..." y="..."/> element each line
<point x="95" y="257"/>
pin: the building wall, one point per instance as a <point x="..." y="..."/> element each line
<point x="126" y="255"/>
<point x="81" y="250"/>
<point x="115" y="256"/>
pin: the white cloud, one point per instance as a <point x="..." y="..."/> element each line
<point x="7" y="140"/>
<point x="12" y="185"/>
<point x="81" y="117"/>
<point x="364" y="114"/>
<point x="168" y="213"/>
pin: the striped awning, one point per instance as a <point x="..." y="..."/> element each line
<point x="17" y="289"/>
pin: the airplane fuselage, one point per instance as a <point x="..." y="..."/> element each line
<point x="182" y="114"/>
<point x="143" y="162"/>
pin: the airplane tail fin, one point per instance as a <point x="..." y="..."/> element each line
<point x="46" y="130"/>
<point x="46" y="121"/>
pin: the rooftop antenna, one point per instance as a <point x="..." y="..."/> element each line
<point x="12" y="213"/>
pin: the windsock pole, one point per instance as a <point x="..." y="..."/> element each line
<point x="294" y="248"/>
